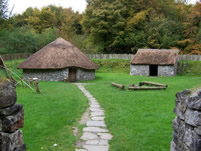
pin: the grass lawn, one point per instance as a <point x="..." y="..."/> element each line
<point x="50" y="116"/>
<point x="139" y="120"/>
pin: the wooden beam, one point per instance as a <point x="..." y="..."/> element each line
<point x="147" y="88"/>
<point x="152" y="84"/>
<point x="118" y="85"/>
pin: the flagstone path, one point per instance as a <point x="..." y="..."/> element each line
<point x="95" y="135"/>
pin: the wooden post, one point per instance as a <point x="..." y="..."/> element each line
<point x="36" y="85"/>
<point x="65" y="79"/>
<point x="118" y="85"/>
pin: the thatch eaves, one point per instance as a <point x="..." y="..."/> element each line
<point x="155" y="57"/>
<point x="59" y="54"/>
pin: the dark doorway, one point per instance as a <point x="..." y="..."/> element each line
<point x="153" y="70"/>
<point x="72" y="75"/>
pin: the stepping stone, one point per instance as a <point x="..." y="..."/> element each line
<point x="96" y="109"/>
<point x="103" y="142"/>
<point x="89" y="136"/>
<point x="96" y="123"/>
<point x="98" y="118"/>
<point x="92" y="142"/>
<point x="95" y="129"/>
<point x="97" y="113"/>
<point x="96" y="148"/>
<point x="95" y="106"/>
<point x="94" y="102"/>
<point x="105" y="136"/>
<point x="80" y="150"/>
<point x="95" y="136"/>
<point x="97" y="142"/>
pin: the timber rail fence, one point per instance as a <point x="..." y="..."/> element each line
<point x="101" y="56"/>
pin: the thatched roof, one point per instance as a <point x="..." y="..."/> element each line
<point x="156" y="56"/>
<point x="58" y="54"/>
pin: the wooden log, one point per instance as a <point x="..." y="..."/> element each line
<point x="118" y="85"/>
<point x="153" y="84"/>
<point x="147" y="88"/>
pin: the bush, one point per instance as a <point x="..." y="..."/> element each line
<point x="24" y="40"/>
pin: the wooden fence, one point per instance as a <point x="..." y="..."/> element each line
<point x="101" y="56"/>
<point x="130" y="56"/>
<point x="15" y="56"/>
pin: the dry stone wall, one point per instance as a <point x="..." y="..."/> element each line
<point x="82" y="74"/>
<point x="187" y="124"/>
<point x="166" y="70"/>
<point x="11" y="119"/>
<point x="46" y="75"/>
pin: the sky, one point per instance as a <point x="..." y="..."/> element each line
<point x="77" y="5"/>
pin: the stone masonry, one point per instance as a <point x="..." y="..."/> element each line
<point x="46" y="75"/>
<point x="143" y="70"/>
<point x="11" y="119"/>
<point x="95" y="135"/>
<point x="58" y="75"/>
<point x="187" y="124"/>
<point x="82" y="74"/>
<point x="166" y="71"/>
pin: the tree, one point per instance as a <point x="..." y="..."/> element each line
<point x="3" y="9"/>
<point x="122" y="26"/>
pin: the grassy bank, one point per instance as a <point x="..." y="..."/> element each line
<point x="112" y="65"/>
<point x="139" y="120"/>
<point x="189" y="68"/>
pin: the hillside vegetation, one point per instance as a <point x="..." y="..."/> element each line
<point x="106" y="26"/>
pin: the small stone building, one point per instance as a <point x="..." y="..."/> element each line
<point x="57" y="61"/>
<point x="154" y="62"/>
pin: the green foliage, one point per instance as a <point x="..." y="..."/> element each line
<point x="24" y="40"/>
<point x="107" y="26"/>
<point x="125" y="26"/>
<point x="192" y="68"/>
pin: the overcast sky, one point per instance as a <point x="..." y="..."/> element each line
<point x="77" y="5"/>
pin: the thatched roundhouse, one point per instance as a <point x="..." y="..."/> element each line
<point x="154" y="62"/>
<point x="57" y="61"/>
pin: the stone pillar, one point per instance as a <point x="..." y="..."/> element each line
<point x="187" y="124"/>
<point x="11" y="119"/>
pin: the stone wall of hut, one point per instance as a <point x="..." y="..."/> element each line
<point x="143" y="70"/>
<point x="46" y="75"/>
<point x="166" y="71"/>
<point x="58" y="75"/>
<point x="82" y="75"/>
<point x="187" y="124"/>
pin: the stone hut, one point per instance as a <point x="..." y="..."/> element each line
<point x="154" y="62"/>
<point x="57" y="61"/>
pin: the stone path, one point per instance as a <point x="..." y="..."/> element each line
<point x="95" y="135"/>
